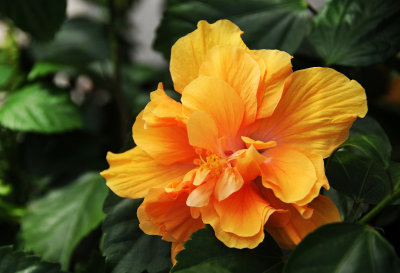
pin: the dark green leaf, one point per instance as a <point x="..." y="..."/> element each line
<point x="360" y="177"/>
<point x="204" y="267"/>
<point x="55" y="224"/>
<point x="205" y="248"/>
<point x="41" y="18"/>
<point x="343" y="248"/>
<point x="267" y="24"/>
<point x="359" y="167"/>
<point x="357" y="32"/>
<point x="79" y="41"/>
<point x="367" y="136"/>
<point x="13" y="262"/>
<point x="125" y="246"/>
<point x="35" y="108"/>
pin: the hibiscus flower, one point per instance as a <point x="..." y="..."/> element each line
<point x="243" y="151"/>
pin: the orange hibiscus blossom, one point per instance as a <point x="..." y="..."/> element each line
<point x="243" y="151"/>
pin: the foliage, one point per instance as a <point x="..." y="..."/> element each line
<point x="69" y="93"/>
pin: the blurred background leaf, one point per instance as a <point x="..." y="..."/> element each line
<point x="12" y="261"/>
<point x="54" y="224"/>
<point x="41" y="18"/>
<point x="38" y="109"/>
<point x="277" y="24"/>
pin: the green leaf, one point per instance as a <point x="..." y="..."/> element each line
<point x="357" y="32"/>
<point x="273" y="24"/>
<point x="204" y="267"/>
<point x="41" y="69"/>
<point x="18" y="262"/>
<point x="41" y="18"/>
<point x="79" y="42"/>
<point x="359" y="167"/>
<point x="56" y="223"/>
<point x="368" y="136"/>
<point x="343" y="248"/>
<point x="126" y="247"/>
<point x="35" y="108"/>
<point x="205" y="248"/>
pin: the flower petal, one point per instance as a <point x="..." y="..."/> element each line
<point x="316" y="111"/>
<point x="237" y="68"/>
<point x="200" y="196"/>
<point x="275" y="66"/>
<point x="189" y="52"/>
<point x="217" y="98"/>
<point x="166" y="214"/>
<point x="162" y="110"/>
<point x="289" y="173"/>
<point x="202" y="131"/>
<point x="229" y="182"/>
<point x="289" y="234"/>
<point x="210" y="216"/>
<point x="133" y="173"/>
<point x="248" y="163"/>
<point x="167" y="144"/>
<point x="243" y="213"/>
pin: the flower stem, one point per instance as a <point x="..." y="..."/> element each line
<point x="384" y="203"/>
<point x="117" y="75"/>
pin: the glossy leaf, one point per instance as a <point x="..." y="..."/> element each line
<point x="267" y="24"/>
<point x="359" y="168"/>
<point x="357" y="32"/>
<point x="36" y="108"/>
<point x="205" y="248"/>
<point x="56" y="223"/>
<point x="13" y="261"/>
<point x="368" y="136"/>
<point x="41" y="18"/>
<point x="79" y="42"/>
<point x="205" y="267"/>
<point x="126" y="247"/>
<point x="343" y="248"/>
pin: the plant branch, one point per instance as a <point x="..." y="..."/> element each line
<point x="383" y="204"/>
<point x="117" y="76"/>
<point x="312" y="9"/>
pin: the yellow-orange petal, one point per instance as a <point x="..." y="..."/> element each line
<point x="229" y="182"/>
<point x="322" y="181"/>
<point x="218" y="99"/>
<point x="291" y="233"/>
<point x="248" y="163"/>
<point x="166" y="144"/>
<point x="243" y="213"/>
<point x="200" y="196"/>
<point x="189" y="52"/>
<point x="162" y="110"/>
<point x="237" y="68"/>
<point x="258" y="144"/>
<point x="275" y="66"/>
<point x="133" y="173"/>
<point x="166" y="214"/>
<point x="176" y="247"/>
<point x="210" y="216"/>
<point x="289" y="173"/>
<point x="317" y="109"/>
<point x="202" y="131"/>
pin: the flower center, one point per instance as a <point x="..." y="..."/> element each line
<point x="213" y="163"/>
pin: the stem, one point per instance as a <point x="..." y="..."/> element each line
<point x="117" y="76"/>
<point x="384" y="203"/>
<point x="312" y="9"/>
